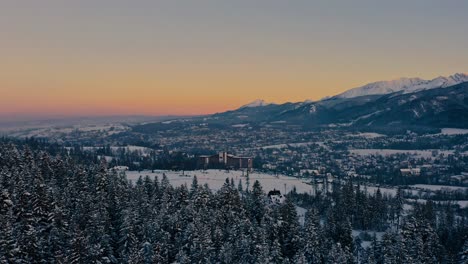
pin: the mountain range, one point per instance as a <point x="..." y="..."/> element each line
<point x="403" y="103"/>
<point x="407" y="85"/>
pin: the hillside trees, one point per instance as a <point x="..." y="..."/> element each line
<point x="54" y="209"/>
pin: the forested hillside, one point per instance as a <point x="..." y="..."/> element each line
<point x="56" y="209"/>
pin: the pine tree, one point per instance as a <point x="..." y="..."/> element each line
<point x="26" y="234"/>
<point x="201" y="245"/>
<point x="289" y="230"/>
<point x="313" y="237"/>
<point x="42" y="217"/>
<point x="391" y="248"/>
<point x="260" y="243"/>
<point x="276" y="255"/>
<point x="410" y="250"/>
<point x="8" y="246"/>
<point x="63" y="210"/>
<point x="147" y="253"/>
<point x="79" y="252"/>
<point x="398" y="206"/>
<point x="300" y="258"/>
<point x="240" y="188"/>
<point x="194" y="187"/>
<point x="257" y="202"/>
<point x="339" y="229"/>
<point x="337" y="255"/>
<point x="463" y="255"/>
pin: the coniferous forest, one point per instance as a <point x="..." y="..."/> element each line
<point x="55" y="208"/>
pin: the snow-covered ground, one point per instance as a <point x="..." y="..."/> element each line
<point x="366" y="244"/>
<point x="294" y="145"/>
<point x="438" y="187"/>
<point x="50" y="131"/>
<point x="387" y="152"/>
<point x="256" y="103"/>
<point x="216" y="178"/>
<point x="301" y="212"/>
<point x="240" y="125"/>
<point x="461" y="203"/>
<point x="384" y="190"/>
<point x="453" y="131"/>
<point x="407" y="85"/>
<point x="368" y="135"/>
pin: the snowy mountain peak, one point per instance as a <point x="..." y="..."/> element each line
<point x="256" y="103"/>
<point x="407" y="85"/>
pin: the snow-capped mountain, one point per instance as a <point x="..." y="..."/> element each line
<point x="440" y="107"/>
<point x="406" y="85"/>
<point x="404" y="103"/>
<point x="256" y="103"/>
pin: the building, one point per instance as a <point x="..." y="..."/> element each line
<point x="120" y="168"/>
<point x="276" y="197"/>
<point x="224" y="160"/>
<point x="411" y="172"/>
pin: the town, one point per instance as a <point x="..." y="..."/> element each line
<point x="409" y="158"/>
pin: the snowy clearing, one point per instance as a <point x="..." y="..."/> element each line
<point x="419" y="153"/>
<point x="439" y="187"/>
<point x="301" y="212"/>
<point x="453" y="131"/>
<point x="293" y="145"/>
<point x="216" y="178"/>
<point x="461" y="203"/>
<point x="369" y="135"/>
<point x="240" y="125"/>
<point x="367" y="244"/>
<point x="384" y="190"/>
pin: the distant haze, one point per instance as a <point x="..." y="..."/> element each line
<point x="16" y="122"/>
<point x="115" y="57"/>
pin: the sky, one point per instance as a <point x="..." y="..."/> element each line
<point x="115" y="57"/>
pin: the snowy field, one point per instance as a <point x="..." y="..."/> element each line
<point x="240" y="125"/>
<point x="293" y="145"/>
<point x="384" y="190"/>
<point x="369" y="135"/>
<point x="367" y="244"/>
<point x="216" y="178"/>
<point x="50" y="131"/>
<point x="387" y="152"/>
<point x="439" y="187"/>
<point x="461" y="203"/>
<point x="301" y="212"/>
<point x="453" y="131"/>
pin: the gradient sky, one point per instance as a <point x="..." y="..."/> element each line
<point x="193" y="57"/>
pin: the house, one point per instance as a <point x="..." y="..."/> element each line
<point x="224" y="160"/>
<point x="120" y="168"/>
<point x="459" y="179"/>
<point x="276" y="197"/>
<point x="411" y="172"/>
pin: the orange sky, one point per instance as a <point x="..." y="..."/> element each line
<point x="196" y="58"/>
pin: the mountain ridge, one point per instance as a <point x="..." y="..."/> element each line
<point x="380" y="88"/>
<point x="436" y="107"/>
<point x="256" y="103"/>
<point x="408" y="85"/>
